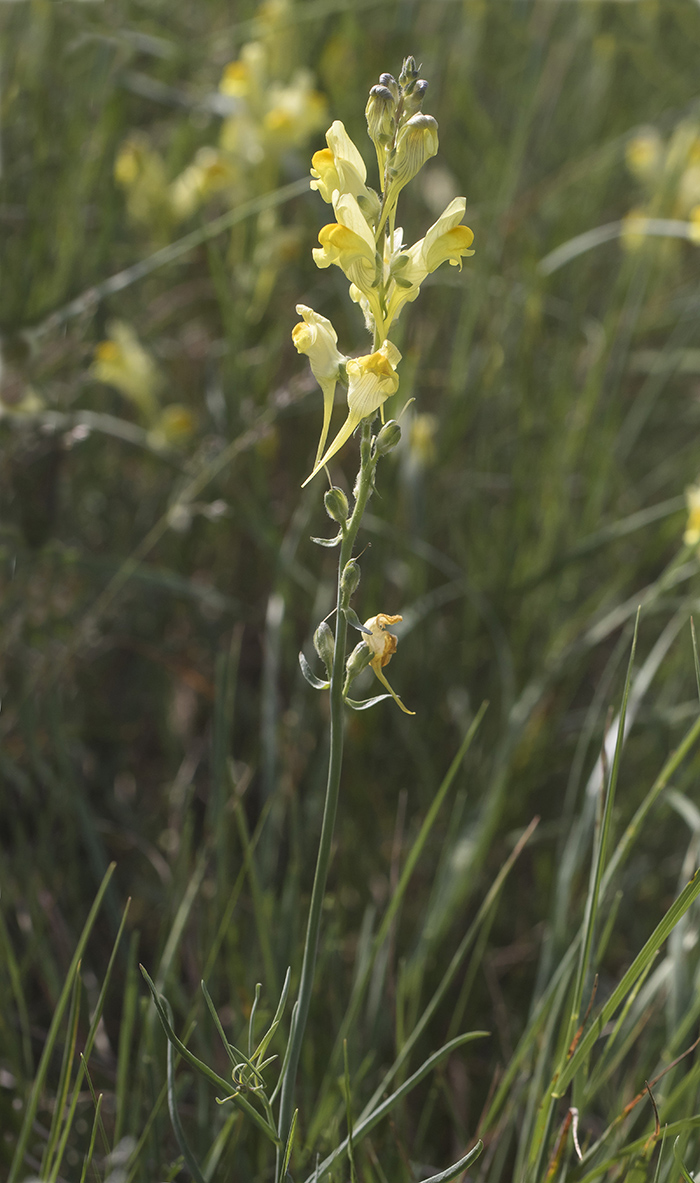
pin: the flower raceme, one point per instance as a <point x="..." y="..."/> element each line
<point x="372" y="379"/>
<point x="316" y="337"/>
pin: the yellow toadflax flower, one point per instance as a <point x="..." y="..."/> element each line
<point x="446" y="240"/>
<point x="121" y="361"/>
<point x="349" y="244"/>
<point x="339" y="167"/>
<point x="382" y="646"/>
<point x="372" y="379"/>
<point x="316" y="337"/>
<point x="692" y="530"/>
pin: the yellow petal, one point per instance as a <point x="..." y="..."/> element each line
<point x="342" y="437"/>
<point x="376" y="666"/>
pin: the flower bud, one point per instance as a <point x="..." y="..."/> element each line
<point x="336" y="504"/>
<point x="379" y="113"/>
<point x="391" y="84"/>
<point x="414" y="99"/>
<point x="349" y="580"/>
<point x="324" y="644"/>
<point x="358" y="661"/>
<point x="388" y="438"/>
<point x="409" y="72"/>
<point x="417" y="142"/>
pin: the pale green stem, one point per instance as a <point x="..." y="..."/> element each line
<point x="363" y="492"/>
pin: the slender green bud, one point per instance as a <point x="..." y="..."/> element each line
<point x="358" y="661"/>
<point x="349" y="581"/>
<point x="380" y="112"/>
<point x="324" y="644"/>
<point x="336" y="504"/>
<point x="388" y="438"/>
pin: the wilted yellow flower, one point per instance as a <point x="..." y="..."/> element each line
<point x="372" y="379"/>
<point x="316" y="337"/>
<point x="121" y="361"/>
<point x="692" y="529"/>
<point x="382" y="646"/>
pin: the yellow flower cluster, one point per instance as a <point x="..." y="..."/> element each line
<point x="365" y="243"/>
<point x="265" y="113"/>
<point x="669" y="172"/>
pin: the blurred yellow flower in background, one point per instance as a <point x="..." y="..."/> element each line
<point x="692" y="529"/>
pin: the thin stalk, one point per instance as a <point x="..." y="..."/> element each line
<point x="363" y="492"/>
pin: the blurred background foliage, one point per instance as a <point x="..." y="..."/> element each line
<point x="156" y="567"/>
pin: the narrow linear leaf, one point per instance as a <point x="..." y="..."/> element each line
<point x="328" y="541"/>
<point x="352" y="618"/>
<point x="373" y="1118"/>
<point x="290" y="1144"/>
<point x="679" y="1162"/>
<point x="310" y="675"/>
<point x="457" y="1167"/>
<point x="661" y="932"/>
<point x="363" y="704"/>
<point x="18" y="1163"/>
<point x="239" y="1101"/>
<point x="185" y="1151"/>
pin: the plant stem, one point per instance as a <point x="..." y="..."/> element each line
<point x="363" y="492"/>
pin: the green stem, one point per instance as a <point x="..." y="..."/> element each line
<point x="362" y="492"/>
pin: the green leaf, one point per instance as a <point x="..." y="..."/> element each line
<point x="457" y="1167"/>
<point x="328" y="541"/>
<point x="290" y="1144"/>
<point x="363" y="704"/>
<point x="679" y="1162"/>
<point x="353" y="619"/>
<point x="310" y="675"/>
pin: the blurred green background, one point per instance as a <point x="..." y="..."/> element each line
<point x="157" y="573"/>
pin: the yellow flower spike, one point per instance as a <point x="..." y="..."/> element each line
<point x="316" y="337"/>
<point x="382" y="646"/>
<point x="692" y="530"/>
<point x="372" y="379"/>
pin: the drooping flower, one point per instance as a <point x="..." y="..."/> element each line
<point x="382" y="646"/>
<point x="316" y="337"/>
<point x="372" y="379"/>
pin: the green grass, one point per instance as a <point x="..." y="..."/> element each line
<point x="154" y="599"/>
